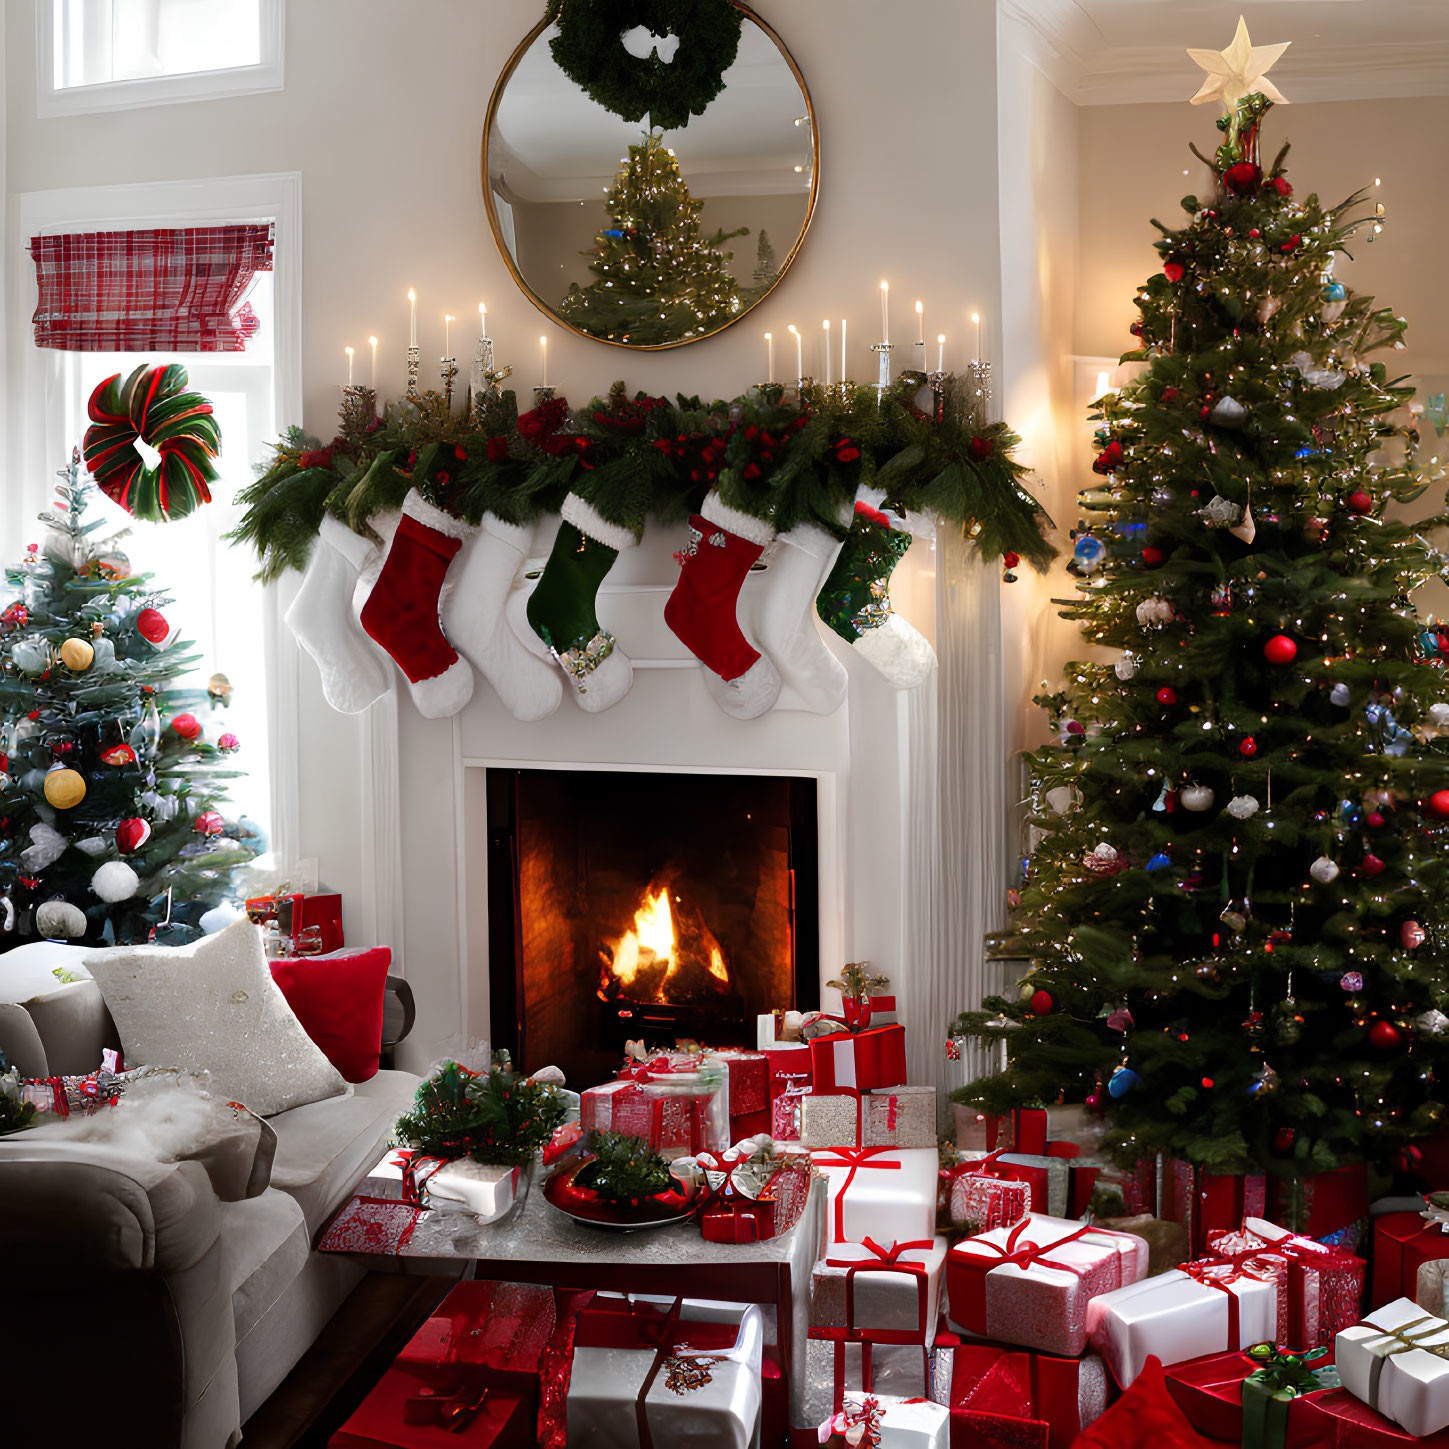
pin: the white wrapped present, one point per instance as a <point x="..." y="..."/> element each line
<point x="1031" y="1284"/>
<point x="885" y="1193"/>
<point x="1197" y="1309"/>
<point x="1397" y="1361"/>
<point x="900" y="1423"/>
<point x="882" y="1294"/>
<point x="432" y="1182"/>
<point x="691" y="1397"/>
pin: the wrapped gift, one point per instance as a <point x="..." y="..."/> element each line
<point x="1139" y="1188"/>
<point x="759" y="1199"/>
<point x="885" y="1193"/>
<point x="980" y="1203"/>
<point x="1049" y="1179"/>
<point x="862" y="1291"/>
<point x="883" y="1011"/>
<point x="1320" y="1288"/>
<point x="1252" y="1398"/>
<point x="678" y="1119"/>
<point x="860" y="1060"/>
<point x="483" y="1333"/>
<point x="748" y="1075"/>
<point x="1338" y="1419"/>
<point x="786" y="1114"/>
<point x="1023" y="1130"/>
<point x="1397" y="1362"/>
<point x="984" y="1384"/>
<point x="1203" y="1201"/>
<point x="1331" y="1206"/>
<point x="460" y="1185"/>
<point x="1431" y="1286"/>
<point x="789" y="1066"/>
<point x="1402" y="1244"/>
<point x="899" y="1117"/>
<point x="1030" y="1284"/>
<point x="313" y="922"/>
<point x="1198" y="1309"/>
<point x="898" y="1423"/>
<point x="400" y="1413"/>
<point x="690" y="1375"/>
<point x="830" y="1120"/>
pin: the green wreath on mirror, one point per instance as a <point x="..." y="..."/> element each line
<point x="589" y="50"/>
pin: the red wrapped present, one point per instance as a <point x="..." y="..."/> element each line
<point x="789" y="1066"/>
<point x="371" y="1225"/>
<point x="986" y="1386"/>
<point x="401" y="1413"/>
<point x="863" y="1292"/>
<point x="749" y="1082"/>
<point x="1048" y="1178"/>
<point x="786" y="1117"/>
<point x="1330" y="1206"/>
<point x="1203" y="1201"/>
<point x="859" y="1061"/>
<point x="984" y="1193"/>
<point x="312" y="922"/>
<point x="1139" y="1189"/>
<point x="1209" y="1391"/>
<point x="1031" y="1284"/>
<point x="1320" y="1288"/>
<point x="1402" y="1241"/>
<point x="1022" y="1130"/>
<point x="1337" y="1420"/>
<point x="677" y="1113"/>
<point x="756" y="1199"/>
<point x="483" y="1333"/>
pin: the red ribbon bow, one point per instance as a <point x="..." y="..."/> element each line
<point x="1222" y="1276"/>
<point x="853" y="1158"/>
<point x="886" y="1260"/>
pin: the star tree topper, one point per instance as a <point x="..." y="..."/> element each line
<point x="1238" y="71"/>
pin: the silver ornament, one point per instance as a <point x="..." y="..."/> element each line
<point x="1431" y="1022"/>
<point x="1340" y="695"/>
<point x="1228" y="412"/>
<point x="1126" y="667"/>
<point x="1323" y="870"/>
<point x="1196" y="797"/>
<point x="1242" y="807"/>
<point x="60" y="921"/>
<point x="1220" y="512"/>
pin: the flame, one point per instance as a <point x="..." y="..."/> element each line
<point x="651" y="945"/>
<point x="717" y="965"/>
<point x="653" y="930"/>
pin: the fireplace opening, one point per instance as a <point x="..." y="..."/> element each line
<point x="646" y="906"/>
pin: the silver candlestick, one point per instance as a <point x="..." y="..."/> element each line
<point x="413" y="370"/>
<point x="449" y="372"/>
<point x="484" y="377"/>
<point x="884" y="380"/>
<point x="978" y="389"/>
<point x="936" y="381"/>
<point x="542" y="395"/>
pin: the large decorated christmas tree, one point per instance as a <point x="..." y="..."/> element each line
<point x="660" y="278"/>
<point x="1235" y="913"/>
<point x="109" y="801"/>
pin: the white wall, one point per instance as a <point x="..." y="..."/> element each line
<point x="382" y="115"/>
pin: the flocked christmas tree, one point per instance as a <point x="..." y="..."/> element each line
<point x="1235" y="910"/>
<point x="660" y="278"/>
<point x="109" y="818"/>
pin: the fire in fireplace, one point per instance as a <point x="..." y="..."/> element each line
<point x="646" y="906"/>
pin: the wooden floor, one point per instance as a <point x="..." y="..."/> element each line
<point x="348" y="1358"/>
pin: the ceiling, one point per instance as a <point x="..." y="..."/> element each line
<point x="1115" y="52"/>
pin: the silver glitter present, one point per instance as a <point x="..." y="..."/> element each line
<point x="828" y="1120"/>
<point x="900" y="1117"/>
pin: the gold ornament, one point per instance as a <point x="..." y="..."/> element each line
<point x="76" y="655"/>
<point x="1238" y="71"/>
<point x="219" y="687"/>
<point x="65" y="789"/>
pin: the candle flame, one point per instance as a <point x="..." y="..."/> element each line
<point x="940" y="337"/>
<point x="482" y="309"/>
<point x="885" y="286"/>
<point x="920" y="306"/>
<point x="791" y="328"/>
<point x="448" y="317"/>
<point x="543" y="341"/>
<point x="348" y="351"/>
<point x="976" y="317"/>
<point x="769" y="337"/>
<point x="412" y="295"/>
<point x="826" y="324"/>
<point x="372" y="341"/>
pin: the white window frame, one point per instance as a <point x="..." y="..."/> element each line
<point x="275" y="197"/>
<point x="162" y="90"/>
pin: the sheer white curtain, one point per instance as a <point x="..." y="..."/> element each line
<point x="956" y="817"/>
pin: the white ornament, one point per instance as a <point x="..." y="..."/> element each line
<point x="1228" y="412"/>
<point x="60" y="921"/>
<point x="1196" y="797"/>
<point x="1060" y="798"/>
<point x="1155" y="610"/>
<point x="1340" y="695"/>
<point x="1439" y="716"/>
<point x="1242" y="807"/>
<point x="1220" y="512"/>
<point x="1126" y="667"/>
<point x="93" y="845"/>
<point x="1102" y="858"/>
<point x="1323" y="870"/>
<point x="115" y="881"/>
<point x="1322" y="377"/>
<point x="1432" y="1022"/>
<point x="30" y="656"/>
<point x="48" y="847"/>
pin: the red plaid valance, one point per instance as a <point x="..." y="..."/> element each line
<point x="178" y="290"/>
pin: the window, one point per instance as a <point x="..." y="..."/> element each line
<point x="96" y="55"/>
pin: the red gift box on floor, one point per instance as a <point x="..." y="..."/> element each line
<point x="1330" y="1206"/>
<point x="400" y="1413"/>
<point x="986" y="1387"/>
<point x="1202" y="1201"/>
<point x="1337" y="1420"/>
<point x="859" y="1061"/>
<point x="1139" y="1189"/>
<point x="1402" y="1241"/>
<point x="483" y="1332"/>
<point x="1023" y="1130"/>
<point x="1209" y="1391"/>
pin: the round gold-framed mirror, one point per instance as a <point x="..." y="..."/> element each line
<point x="645" y="238"/>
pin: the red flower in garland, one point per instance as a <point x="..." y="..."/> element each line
<point x="845" y="451"/>
<point x="460" y="452"/>
<point x="981" y="449"/>
<point x="1243" y="179"/>
<point x="1281" y="185"/>
<point x="543" y="421"/>
<point x="1109" y="459"/>
<point x="318" y="458"/>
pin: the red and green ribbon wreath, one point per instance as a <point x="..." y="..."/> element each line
<point x="154" y="407"/>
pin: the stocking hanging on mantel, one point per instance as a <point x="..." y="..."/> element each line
<point x="162" y="290"/>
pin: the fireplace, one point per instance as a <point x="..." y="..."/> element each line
<point x="646" y="905"/>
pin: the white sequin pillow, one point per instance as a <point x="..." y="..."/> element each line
<point x="213" y="1006"/>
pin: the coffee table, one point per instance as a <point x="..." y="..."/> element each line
<point x="539" y="1244"/>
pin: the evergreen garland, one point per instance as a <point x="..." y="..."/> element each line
<point x="623" y="1169"/>
<point x="589" y="51"/>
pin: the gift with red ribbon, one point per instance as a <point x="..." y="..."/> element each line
<point x="1030" y="1284"/>
<point x="1403" y="1241"/>
<point x="983" y="1384"/>
<point x="1204" y="1201"/>
<point x="1048" y="1179"/>
<point x="1023" y="1130"/>
<point x="677" y="1112"/>
<point x="749" y="1081"/>
<point x="1200" y="1308"/>
<point x="756" y="1199"/>
<point x="859" y="1061"/>
<point x="1209" y="1391"/>
<point x="863" y="1292"/>
<point x="1331" y="1206"/>
<point x="1320" y="1288"/>
<point x="899" y="1117"/>
<point x="883" y="1193"/>
<point x="983" y="1194"/>
<point x="884" y="1421"/>
<point x="400" y="1414"/>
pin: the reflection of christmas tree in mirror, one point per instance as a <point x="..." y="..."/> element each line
<point x="659" y="278"/>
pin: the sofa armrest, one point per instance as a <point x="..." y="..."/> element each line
<point x="75" y="1208"/>
<point x="399" y="1011"/>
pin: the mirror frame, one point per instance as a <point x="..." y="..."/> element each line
<point x="496" y="98"/>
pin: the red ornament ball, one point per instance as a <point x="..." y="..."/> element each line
<point x="1291" y="244"/>
<point x="1167" y="695"/>
<point x="1042" y="1003"/>
<point x="1151" y="557"/>
<point x="187" y="726"/>
<point x="1360" y="502"/>
<point x="1283" y="1139"/>
<point x="228" y="744"/>
<point x="1384" y="1036"/>
<point x="1371" y="865"/>
<point x="1280" y="649"/>
<point x="132" y="834"/>
<point x="1373" y="819"/>
<point x="151" y="625"/>
<point x="1173" y="271"/>
<point x="1281" y="185"/>
<point x="1438" y="804"/>
<point x="209" y="822"/>
<point x="1243" y="179"/>
<point x="1248" y="748"/>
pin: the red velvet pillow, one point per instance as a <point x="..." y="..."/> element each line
<point x="338" y="999"/>
<point x="1145" y="1417"/>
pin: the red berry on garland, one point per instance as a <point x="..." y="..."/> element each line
<point x="1359" y="501"/>
<point x="1371" y="865"/>
<point x="1438" y="804"/>
<point x="1255" y="233"/>
<point x="187" y="726"/>
<point x="1242" y="179"/>
<point x="1167" y="695"/>
<point x="151" y="625"/>
<point x="1384" y="1036"/>
<point x="1151" y="557"/>
<point x="1280" y="649"/>
<point x="132" y="834"/>
<point x="1248" y="748"/>
<point x="1283" y="1139"/>
<point x="1042" y="1003"/>
<point x="1173" y="271"/>
<point x="1291" y="244"/>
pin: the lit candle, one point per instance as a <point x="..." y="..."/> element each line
<point x="921" y="330"/>
<point x="940" y="352"/>
<point x="826" y="325"/>
<point x="543" y="358"/>
<point x="799" y="354"/>
<point x="844" y="358"/>
<point x="885" y="312"/>
<point x="413" y="318"/>
<point x="372" y="343"/>
<point x="348" y="351"/>
<point x="976" y="318"/>
<point x="482" y="319"/>
<point x="447" y="334"/>
<point x="770" y="353"/>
